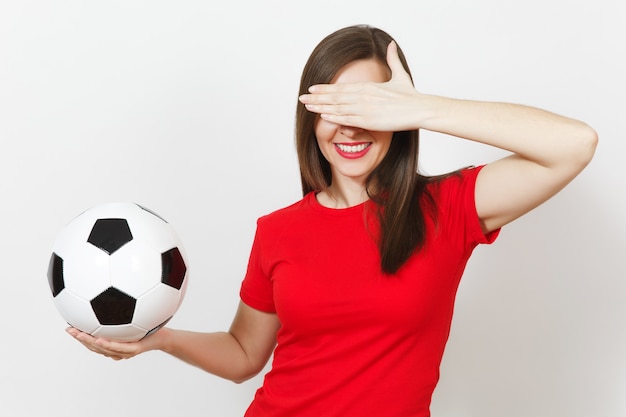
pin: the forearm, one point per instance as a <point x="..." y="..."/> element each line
<point x="534" y="134"/>
<point x="218" y="353"/>
<point x="238" y="354"/>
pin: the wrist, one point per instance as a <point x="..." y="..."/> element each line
<point x="433" y="111"/>
<point x="160" y="340"/>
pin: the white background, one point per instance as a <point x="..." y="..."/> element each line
<point x="187" y="107"/>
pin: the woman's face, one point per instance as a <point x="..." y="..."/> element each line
<point x="352" y="152"/>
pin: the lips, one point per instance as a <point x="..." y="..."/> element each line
<point x="352" y="150"/>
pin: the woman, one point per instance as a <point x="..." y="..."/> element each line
<point x="352" y="288"/>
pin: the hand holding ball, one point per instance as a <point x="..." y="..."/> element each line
<point x="118" y="271"/>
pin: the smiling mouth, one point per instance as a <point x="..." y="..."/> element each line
<point x="352" y="150"/>
<point x="356" y="148"/>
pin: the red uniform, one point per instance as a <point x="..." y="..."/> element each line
<point x="353" y="341"/>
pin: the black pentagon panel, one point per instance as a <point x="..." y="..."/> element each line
<point x="110" y="234"/>
<point x="55" y="274"/>
<point x="112" y="306"/>
<point x="174" y="268"/>
<point x="151" y="212"/>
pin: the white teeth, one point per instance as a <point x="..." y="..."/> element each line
<point x="352" y="148"/>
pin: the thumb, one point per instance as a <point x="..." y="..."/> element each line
<point x="393" y="60"/>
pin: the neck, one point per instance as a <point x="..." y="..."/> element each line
<point x="347" y="195"/>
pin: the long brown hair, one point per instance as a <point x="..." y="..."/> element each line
<point x="399" y="187"/>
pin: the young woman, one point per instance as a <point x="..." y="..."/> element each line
<point x="352" y="288"/>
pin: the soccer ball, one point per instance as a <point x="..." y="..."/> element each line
<point x="117" y="271"/>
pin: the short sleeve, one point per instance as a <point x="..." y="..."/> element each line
<point x="256" y="289"/>
<point x="471" y="174"/>
<point x="456" y="203"/>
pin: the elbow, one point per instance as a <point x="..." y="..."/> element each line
<point x="587" y="143"/>
<point x="246" y="372"/>
<point x="244" y="376"/>
<point x="577" y="151"/>
<point x="241" y="380"/>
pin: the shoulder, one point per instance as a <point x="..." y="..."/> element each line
<point x="449" y="184"/>
<point x="287" y="214"/>
<point x="454" y="199"/>
<point x="452" y="192"/>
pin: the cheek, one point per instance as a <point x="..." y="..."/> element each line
<point x="324" y="131"/>
<point x="385" y="141"/>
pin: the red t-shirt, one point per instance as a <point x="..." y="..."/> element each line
<point x="353" y="341"/>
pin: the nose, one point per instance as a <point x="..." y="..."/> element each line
<point x="350" y="131"/>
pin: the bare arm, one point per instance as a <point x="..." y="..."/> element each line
<point x="548" y="150"/>
<point x="237" y="355"/>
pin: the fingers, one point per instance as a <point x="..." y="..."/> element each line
<point x="375" y="105"/>
<point x="338" y="94"/>
<point x="328" y="101"/>
<point x="110" y="349"/>
<point x="340" y="88"/>
<point x="329" y="109"/>
<point x="343" y="114"/>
